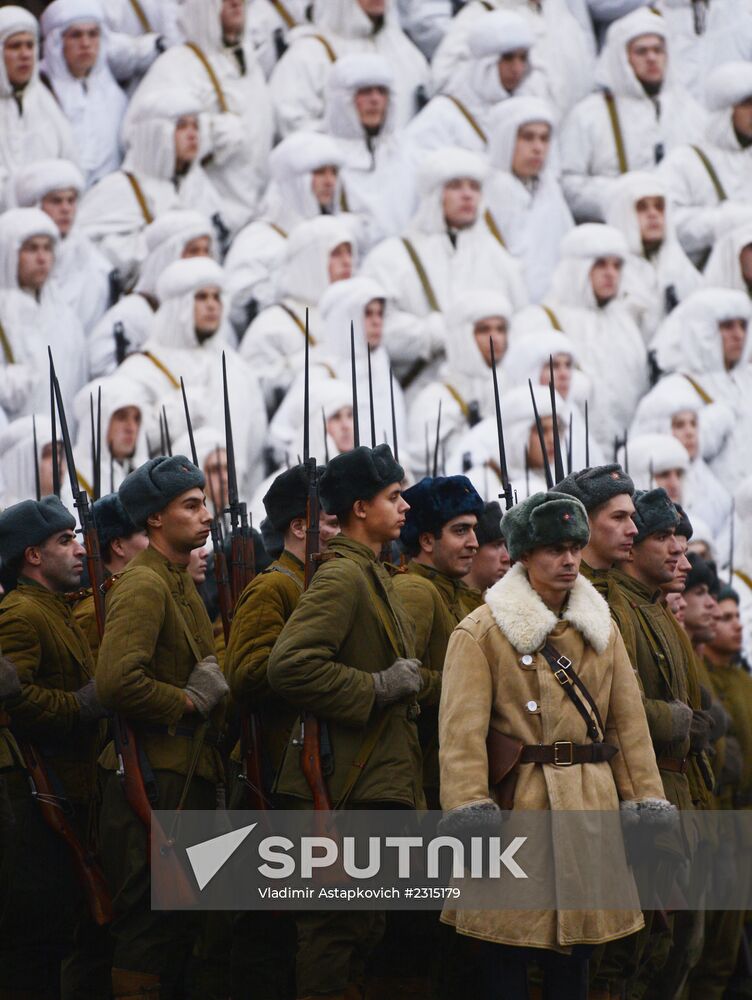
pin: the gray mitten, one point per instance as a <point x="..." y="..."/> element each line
<point x="90" y="708"/>
<point x="699" y="730"/>
<point x="681" y="720"/>
<point x="397" y="682"/>
<point x="206" y="685"/>
<point x="733" y="761"/>
<point x="9" y="682"/>
<point x="721" y="721"/>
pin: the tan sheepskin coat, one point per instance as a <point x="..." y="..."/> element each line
<point x="486" y="684"/>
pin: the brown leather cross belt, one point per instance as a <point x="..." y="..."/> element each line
<point x="678" y="765"/>
<point x="563" y="753"/>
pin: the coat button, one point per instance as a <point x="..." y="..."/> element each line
<point x="532" y="706"/>
<point x="526" y="660"/>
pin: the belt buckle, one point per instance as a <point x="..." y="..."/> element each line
<point x="557" y="759"/>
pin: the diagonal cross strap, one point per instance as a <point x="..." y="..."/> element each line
<point x="575" y="690"/>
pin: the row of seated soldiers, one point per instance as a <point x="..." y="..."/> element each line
<point x="162" y="666"/>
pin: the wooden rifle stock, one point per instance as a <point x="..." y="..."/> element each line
<point x="53" y="812"/>
<point x="170" y="875"/>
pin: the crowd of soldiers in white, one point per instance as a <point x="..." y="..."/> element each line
<point x="566" y="179"/>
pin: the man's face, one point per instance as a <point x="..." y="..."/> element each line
<point x="384" y="515"/>
<point x="745" y="263"/>
<point x="59" y="559"/>
<point x="612" y="530"/>
<point x="676" y="605"/>
<point x="534" y="453"/>
<point x="453" y="551"/>
<point x="207" y="311"/>
<point x="647" y="56"/>
<point x="531" y="149"/>
<point x="184" y="522"/>
<point x="683" y="566"/>
<point x="374" y="8"/>
<point x="122" y="434"/>
<point x="373" y="321"/>
<point x="328" y="528"/>
<point x="197" y="565"/>
<point x="605" y="278"/>
<point x="672" y="481"/>
<point x="324" y="185"/>
<point x="460" y="202"/>
<point x="741" y="118"/>
<point x="187" y="140"/>
<point x="492" y="328"/>
<point x="20" y="53"/>
<point x="651" y="218"/>
<point x="553" y="569"/>
<point x="513" y="68"/>
<point x="684" y="428"/>
<point x="733" y="334"/>
<point x="61" y="207"/>
<point x="656" y="557"/>
<point x="45" y="468"/>
<point x="699" y="615"/>
<point x="215" y="471"/>
<point x="81" y="48"/>
<point x="490" y="564"/>
<point x="340" y="427"/>
<point x="371" y="104"/>
<point x="199" y="246"/>
<point x="340" y="262"/>
<point x="562" y="374"/>
<point x="128" y="548"/>
<point x="232" y="19"/>
<point x="35" y="260"/>
<point x="728" y="628"/>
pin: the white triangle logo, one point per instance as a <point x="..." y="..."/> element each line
<point x="208" y="857"/>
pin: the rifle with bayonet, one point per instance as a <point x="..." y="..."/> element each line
<point x="558" y="463"/>
<point x="54" y="808"/>
<point x="131" y="764"/>
<point x="541" y="440"/>
<point x="506" y="486"/>
<point x="312" y="730"/>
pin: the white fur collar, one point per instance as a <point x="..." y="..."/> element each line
<point x="526" y="621"/>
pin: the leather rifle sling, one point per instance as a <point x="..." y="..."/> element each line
<point x="140" y="197"/>
<point x="6" y="348"/>
<point x="576" y="691"/>
<point x="220" y="94"/>
<point x="493" y="227"/>
<point x="141" y="17"/>
<point x="712" y="174"/>
<point x="468" y="116"/>
<point x="284" y="13"/>
<point x="298" y="322"/>
<point x="613" y="114"/>
<point x="423" y="278"/>
<point x="458" y="400"/>
<point x="704" y="396"/>
<point x="163" y="368"/>
<point x="554" y="319"/>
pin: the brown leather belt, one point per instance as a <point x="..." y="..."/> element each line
<point x="563" y="753"/>
<point x="678" y="765"/>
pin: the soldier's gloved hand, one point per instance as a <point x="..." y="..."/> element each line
<point x="720" y="721"/>
<point x="9" y="682"/>
<point x="397" y="682"/>
<point x="699" y="730"/>
<point x="206" y="685"/>
<point x="90" y="708"/>
<point x="681" y="720"/>
<point x="733" y="761"/>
